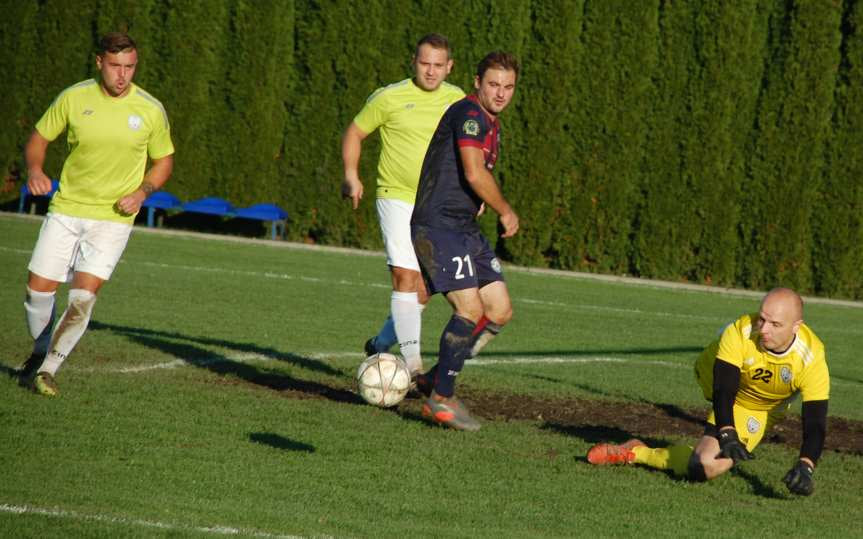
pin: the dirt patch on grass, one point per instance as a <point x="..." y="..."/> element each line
<point x="596" y="421"/>
<point x="590" y="420"/>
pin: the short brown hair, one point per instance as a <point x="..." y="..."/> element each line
<point x="115" y="42"/>
<point x="497" y="60"/>
<point x="436" y="41"/>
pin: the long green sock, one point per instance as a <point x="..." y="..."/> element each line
<point x="674" y="458"/>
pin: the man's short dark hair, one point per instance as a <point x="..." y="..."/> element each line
<point x="115" y="42"/>
<point x="497" y="60"/>
<point x="436" y="41"/>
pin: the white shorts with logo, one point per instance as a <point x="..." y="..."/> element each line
<point x="395" y="218"/>
<point x="70" y="244"/>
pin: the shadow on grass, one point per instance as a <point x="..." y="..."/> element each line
<point x="594" y="434"/>
<point x="280" y="442"/>
<point x="11" y="372"/>
<point x="300" y="361"/>
<point x="192" y="352"/>
<point x="759" y="487"/>
<point x="596" y="351"/>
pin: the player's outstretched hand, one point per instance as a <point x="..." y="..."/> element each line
<point x="38" y="183"/>
<point x="799" y="479"/>
<point x="730" y="446"/>
<point x="509" y="221"/>
<point x="352" y="189"/>
<point x="131" y="203"/>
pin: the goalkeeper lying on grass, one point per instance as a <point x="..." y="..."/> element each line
<point x="751" y="373"/>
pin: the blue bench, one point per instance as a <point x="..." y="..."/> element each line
<point x="276" y="216"/>
<point x="160" y="200"/>
<point x="270" y="213"/>
<point x="26" y="195"/>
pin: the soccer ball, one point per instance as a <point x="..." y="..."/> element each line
<point x="383" y="380"/>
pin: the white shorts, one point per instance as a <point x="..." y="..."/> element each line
<point x="70" y="244"/>
<point x="395" y="218"/>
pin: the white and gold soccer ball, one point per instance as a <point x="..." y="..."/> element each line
<point x="383" y="380"/>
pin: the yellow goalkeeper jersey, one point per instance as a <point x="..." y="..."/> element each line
<point x="767" y="380"/>
<point x="109" y="141"/>
<point x="407" y="117"/>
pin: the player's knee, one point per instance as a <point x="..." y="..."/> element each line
<point x="41" y="284"/>
<point x="500" y="315"/>
<point x="406" y="280"/>
<point x="505" y="316"/>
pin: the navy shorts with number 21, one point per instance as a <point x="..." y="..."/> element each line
<point x="454" y="259"/>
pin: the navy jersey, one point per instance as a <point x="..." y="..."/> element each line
<point x="444" y="196"/>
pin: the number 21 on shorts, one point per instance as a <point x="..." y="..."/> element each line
<point x="462" y="263"/>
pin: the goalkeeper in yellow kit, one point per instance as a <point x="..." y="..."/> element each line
<point x="751" y="374"/>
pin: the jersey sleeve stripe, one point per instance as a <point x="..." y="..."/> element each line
<point x="464" y="142"/>
<point x="82" y="84"/>
<point x="154" y="101"/>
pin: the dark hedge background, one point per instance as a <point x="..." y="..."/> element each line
<point x="712" y="142"/>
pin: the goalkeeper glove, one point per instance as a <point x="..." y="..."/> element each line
<point x="731" y="448"/>
<point x="799" y="479"/>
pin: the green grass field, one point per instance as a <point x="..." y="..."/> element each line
<point x="212" y="395"/>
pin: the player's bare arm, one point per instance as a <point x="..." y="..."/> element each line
<point x="153" y="181"/>
<point x="485" y="186"/>
<point x="34" y="154"/>
<point x="352" y="143"/>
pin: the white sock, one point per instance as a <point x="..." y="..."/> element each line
<point x="488" y="332"/>
<point x="407" y="322"/>
<point x="386" y="337"/>
<point x="39" y="307"/>
<point x="69" y="330"/>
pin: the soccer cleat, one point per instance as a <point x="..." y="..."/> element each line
<point x="370" y="347"/>
<point x="28" y="369"/>
<point x="44" y="384"/>
<point x="449" y="413"/>
<point x="605" y="454"/>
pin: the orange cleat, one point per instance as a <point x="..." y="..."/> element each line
<point x="605" y="454"/>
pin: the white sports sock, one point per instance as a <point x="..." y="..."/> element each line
<point x="488" y="332"/>
<point x="407" y="322"/>
<point x="39" y="307"/>
<point x="69" y="330"/>
<point x="386" y="337"/>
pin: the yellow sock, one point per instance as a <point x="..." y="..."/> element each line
<point x="674" y="458"/>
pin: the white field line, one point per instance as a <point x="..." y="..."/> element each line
<point x="578" y="306"/>
<point x="130" y="522"/>
<point x="623" y="279"/>
<point x="330" y="356"/>
<point x="325" y="356"/>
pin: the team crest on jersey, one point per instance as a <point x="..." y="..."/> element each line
<point x="495" y="264"/>
<point x="785" y="375"/>
<point x="753" y="425"/>
<point x="471" y="127"/>
<point x="135" y="122"/>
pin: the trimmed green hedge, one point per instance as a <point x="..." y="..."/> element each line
<point x="714" y="142"/>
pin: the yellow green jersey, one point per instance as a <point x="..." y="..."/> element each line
<point x="767" y="380"/>
<point x="407" y="117"/>
<point x="109" y="141"/>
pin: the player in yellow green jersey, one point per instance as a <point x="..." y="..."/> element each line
<point x="113" y="128"/>
<point x="406" y="113"/>
<point x="751" y="373"/>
